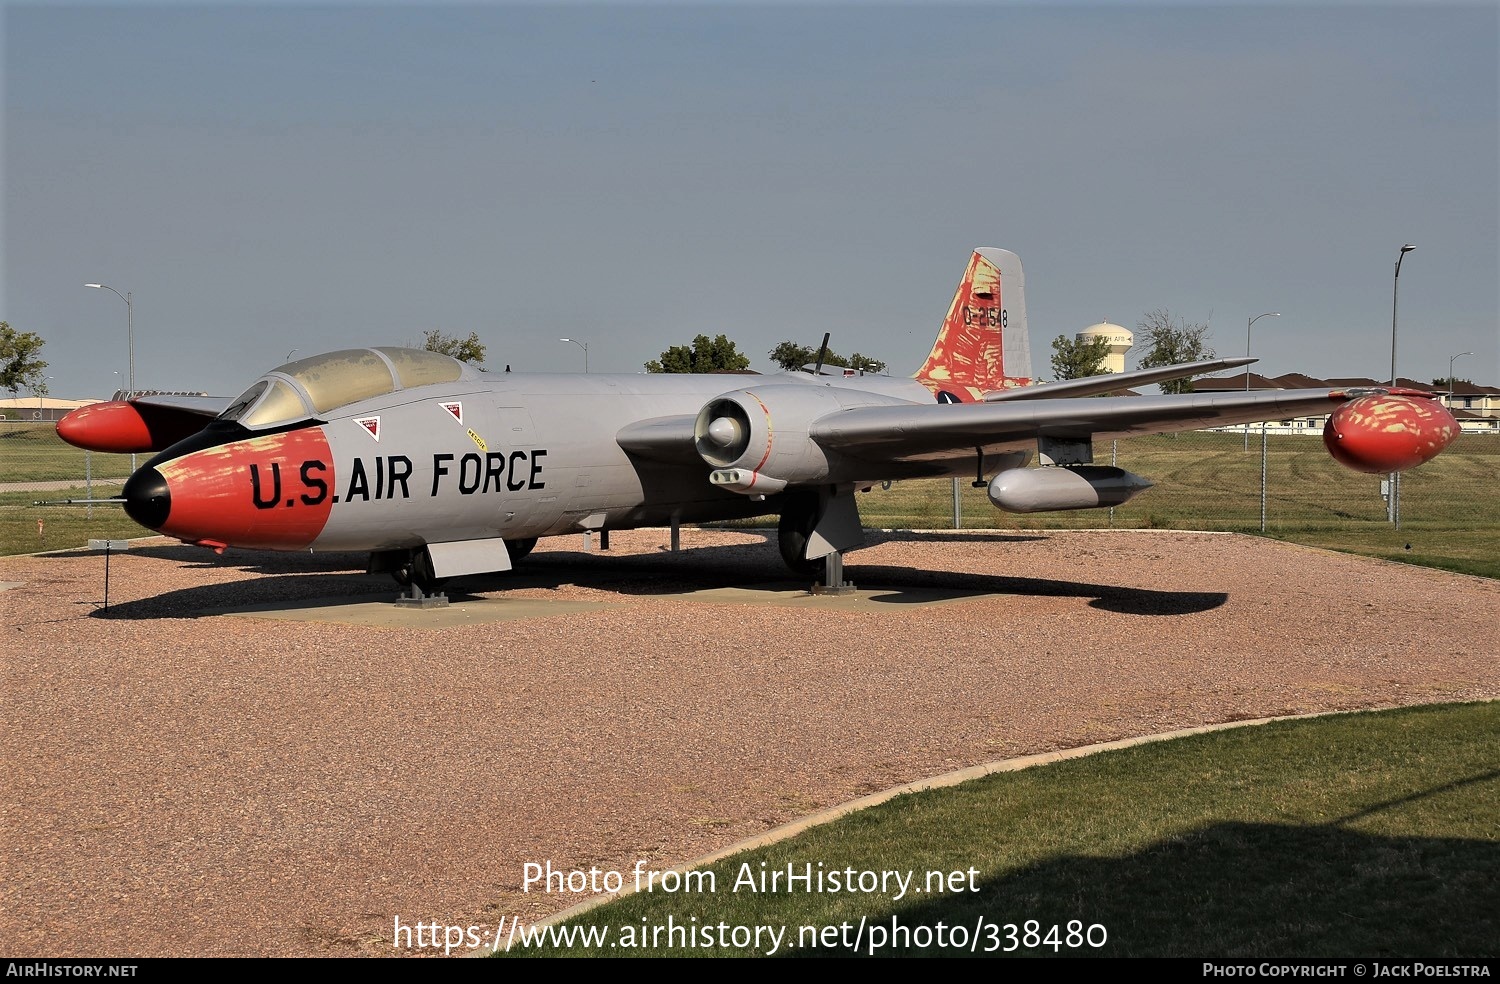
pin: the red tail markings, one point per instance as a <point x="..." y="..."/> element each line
<point x="970" y="353"/>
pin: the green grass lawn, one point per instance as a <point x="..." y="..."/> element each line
<point x="1374" y="834"/>
<point x="34" y="453"/>
<point x="62" y="527"/>
<point x="1465" y="551"/>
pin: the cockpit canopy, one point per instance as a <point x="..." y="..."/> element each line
<point x="321" y="383"/>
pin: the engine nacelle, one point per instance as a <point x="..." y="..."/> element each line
<point x="757" y="440"/>
<point x="1386" y="433"/>
<point x="1051" y="489"/>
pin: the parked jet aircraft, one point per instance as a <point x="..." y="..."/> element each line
<point x="440" y="470"/>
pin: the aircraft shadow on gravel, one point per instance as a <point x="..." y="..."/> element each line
<point x="298" y="579"/>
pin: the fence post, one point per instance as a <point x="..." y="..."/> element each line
<point x="1114" y="461"/>
<point x="958" y="515"/>
<point x="1262" y="476"/>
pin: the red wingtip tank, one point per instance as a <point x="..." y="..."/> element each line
<point x="123" y="427"/>
<point x="116" y="427"/>
<point x="1389" y="432"/>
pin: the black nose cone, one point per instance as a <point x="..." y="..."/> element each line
<point x="147" y="498"/>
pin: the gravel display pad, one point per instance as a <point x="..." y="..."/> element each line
<point x="177" y="782"/>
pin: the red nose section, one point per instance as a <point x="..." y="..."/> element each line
<point x="273" y="492"/>
<point x="115" y="427"/>
<point x="1378" y="434"/>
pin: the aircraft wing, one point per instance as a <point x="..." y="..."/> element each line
<point x="938" y="431"/>
<point x="202" y="406"/>
<point x="765" y="439"/>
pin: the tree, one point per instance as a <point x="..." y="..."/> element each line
<point x="717" y="354"/>
<point x="1074" y="358"/>
<point x="1172" y="343"/>
<point x="790" y="356"/>
<point x="469" y="349"/>
<point x="20" y="364"/>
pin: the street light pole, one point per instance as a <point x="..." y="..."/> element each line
<point x="1268" y="314"/>
<point x="1452" y="360"/>
<point x="40" y="392"/>
<point x="130" y="338"/>
<point x="1393" y="500"/>
<point x="129" y="325"/>
<point x="582" y="345"/>
<point x="1395" y="286"/>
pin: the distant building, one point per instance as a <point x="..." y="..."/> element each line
<point x="1477" y="408"/>
<point x="1483" y="401"/>
<point x="30" y="409"/>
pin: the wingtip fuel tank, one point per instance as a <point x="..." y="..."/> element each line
<point x="1388" y="432"/>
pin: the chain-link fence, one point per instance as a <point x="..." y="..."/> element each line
<point x="1207" y="480"/>
<point x="37" y="464"/>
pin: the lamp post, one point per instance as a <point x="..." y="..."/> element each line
<point x="1395" y="286"/>
<point x="129" y="325"/>
<point x="40" y="392"/>
<point x="1452" y="360"/>
<point x="1268" y="314"/>
<point x="582" y="345"/>
<point x="1393" y="500"/>
<point x="130" y="338"/>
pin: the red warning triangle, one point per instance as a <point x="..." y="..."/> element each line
<point x="371" y="424"/>
<point x="457" y="409"/>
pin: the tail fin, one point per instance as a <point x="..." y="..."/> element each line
<point x="983" y="344"/>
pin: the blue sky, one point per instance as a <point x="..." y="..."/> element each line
<point x="273" y="177"/>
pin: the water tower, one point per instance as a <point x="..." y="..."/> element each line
<point x="1120" y="341"/>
